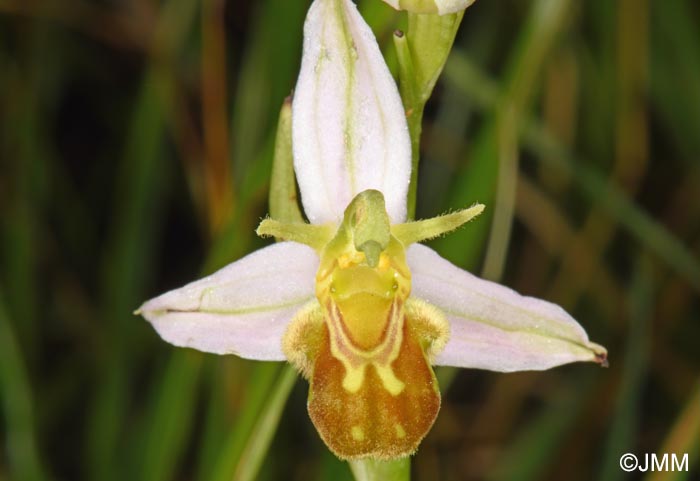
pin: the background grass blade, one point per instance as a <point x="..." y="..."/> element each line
<point x="592" y="182"/>
<point x="684" y="438"/>
<point x="266" y="424"/>
<point x="625" y="428"/>
<point x="18" y="406"/>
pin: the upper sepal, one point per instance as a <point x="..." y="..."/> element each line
<point x="349" y="129"/>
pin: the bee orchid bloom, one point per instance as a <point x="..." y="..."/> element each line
<point x="351" y="299"/>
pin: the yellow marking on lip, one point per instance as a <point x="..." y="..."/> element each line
<point x="355" y="360"/>
<point x="357" y="433"/>
<point x="354" y="377"/>
<point x="389" y="380"/>
<point x="400" y="431"/>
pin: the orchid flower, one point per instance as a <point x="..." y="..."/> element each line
<point x="351" y="298"/>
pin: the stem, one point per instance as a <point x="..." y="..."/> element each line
<point x="422" y="54"/>
<point x="375" y="470"/>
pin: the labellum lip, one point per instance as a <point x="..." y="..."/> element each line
<point x="363" y="346"/>
<point x="374" y="422"/>
<point x="372" y="390"/>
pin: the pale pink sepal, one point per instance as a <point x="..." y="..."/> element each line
<point x="493" y="327"/>
<point x="242" y="309"/>
<point x="349" y="127"/>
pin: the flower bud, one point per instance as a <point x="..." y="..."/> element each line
<point x="441" y="7"/>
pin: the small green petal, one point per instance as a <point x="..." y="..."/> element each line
<point x="418" y="231"/>
<point x="312" y="235"/>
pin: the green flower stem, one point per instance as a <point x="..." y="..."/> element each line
<point x="375" y="470"/>
<point x="422" y="53"/>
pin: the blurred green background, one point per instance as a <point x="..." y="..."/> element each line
<point x="136" y="141"/>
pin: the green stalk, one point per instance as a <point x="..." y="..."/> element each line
<point x="422" y="53"/>
<point x="375" y="470"/>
